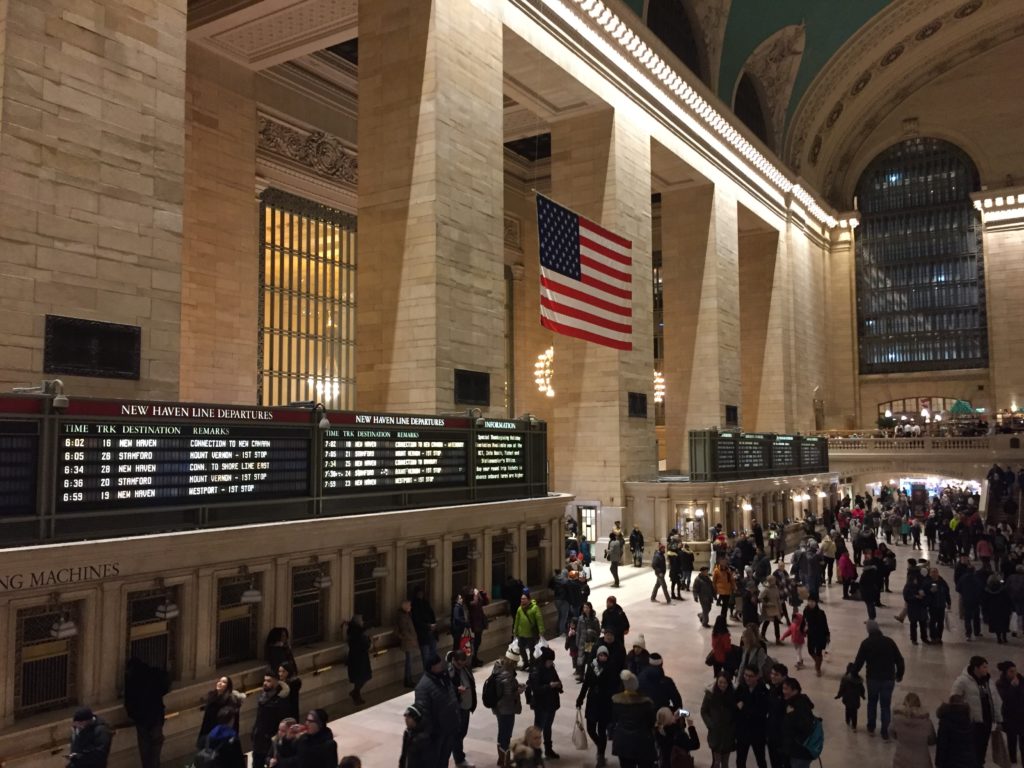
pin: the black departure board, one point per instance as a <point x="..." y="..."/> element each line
<point x="374" y="458"/>
<point x="813" y="452"/>
<point x="783" y="452"/>
<point x="19" y="462"/>
<point x="725" y="452"/>
<point x="752" y="452"/>
<point x="500" y="453"/>
<point x="718" y="455"/>
<point x="110" y="465"/>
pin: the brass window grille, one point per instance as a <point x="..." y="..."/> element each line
<point x="366" y="589"/>
<point x="309" y="604"/>
<point x="45" y="668"/>
<point x="417" y="575"/>
<point x="460" y="567"/>
<point x="237" y="622"/>
<point x="151" y="639"/>
<point x="535" y="571"/>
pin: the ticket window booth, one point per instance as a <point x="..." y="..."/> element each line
<point x="692" y="522"/>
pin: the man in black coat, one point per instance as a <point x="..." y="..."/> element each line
<point x="885" y="668"/>
<point x="614" y="618"/>
<point x="271" y="709"/>
<point x="776" y="716"/>
<point x="437" y="700"/>
<point x="871" y="585"/>
<point x="752" y="705"/>
<point x="144" y="689"/>
<point x="461" y="674"/>
<point x="425" y="622"/>
<point x="659" y="687"/>
<point x="90" y="740"/>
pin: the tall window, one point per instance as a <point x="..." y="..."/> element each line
<point x="309" y="603"/>
<point x="748" y="107"/>
<point x="536" y="573"/>
<point x="920" y="271"/>
<point x="670" y="21"/>
<point x="417" y="575"/>
<point x="307" y="302"/>
<point x="45" y="663"/>
<point x="237" y="621"/>
<point x="366" y="589"/>
<point x="460" y="568"/>
<point x="499" y="564"/>
<point x="153" y="635"/>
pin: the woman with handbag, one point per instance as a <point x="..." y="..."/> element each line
<point x="676" y="737"/>
<point x="718" y="711"/>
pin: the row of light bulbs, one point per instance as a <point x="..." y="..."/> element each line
<point x="544" y="372"/>
<point x="658" y="68"/>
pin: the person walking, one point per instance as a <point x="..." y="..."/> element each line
<point x="724" y="657"/>
<point x="660" y="566"/>
<point x="871" y="585"/>
<point x="771" y="608"/>
<point x="851" y="692"/>
<point x="588" y="636"/>
<point x="478" y="621"/>
<point x="614" y="556"/>
<point x="461" y="674"/>
<point x="600" y="683"/>
<point x="636" y="546"/>
<point x="407" y="640"/>
<point x="1011" y="691"/>
<point x="436" y="700"/>
<point x="725" y="585"/>
<point x="144" y="689"/>
<point x="271" y="708"/>
<point x="885" y="668"/>
<point x="659" y="687"/>
<point x="818" y="635"/>
<point x="954" y="743"/>
<point x="360" y="671"/>
<point x="509" y="701"/>
<point x="776" y="716"/>
<point x="997" y="608"/>
<point x="634" y="717"/>
<point x="797" y="634"/>
<point x="982" y="698"/>
<point x="751" y="717"/>
<point x="914" y="733"/>
<point x="704" y="594"/>
<point x="939" y="602"/>
<point x="718" y="711"/>
<point x="971" y="588"/>
<point x="797" y="724"/>
<point x="90" y="740"/>
<point x="615" y="619"/>
<point x="527" y="627"/>
<point x="916" y="597"/>
<point x="847" y="573"/>
<point x="686" y="565"/>
<point x="544" y="690"/>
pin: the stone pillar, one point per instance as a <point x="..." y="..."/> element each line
<point x="601" y="168"/>
<point x="700" y="273"/>
<point x="1004" y="248"/>
<point x="842" y="396"/>
<point x="92" y="139"/>
<point x="431" y="292"/>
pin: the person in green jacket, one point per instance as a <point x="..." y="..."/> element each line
<point x="527" y="627"/>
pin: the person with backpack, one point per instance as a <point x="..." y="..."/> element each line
<point x="802" y="733"/>
<point x="501" y="694"/>
<point x="527" y="627"/>
<point x="222" y="747"/>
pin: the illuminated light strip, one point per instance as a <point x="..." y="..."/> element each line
<point x="626" y="38"/>
<point x="1005" y="214"/>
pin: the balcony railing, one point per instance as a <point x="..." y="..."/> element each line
<point x="922" y="444"/>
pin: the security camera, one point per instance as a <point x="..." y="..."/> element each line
<point x="60" y="402"/>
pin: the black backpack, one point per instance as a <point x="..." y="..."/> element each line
<point x="489" y="694"/>
<point x="209" y="757"/>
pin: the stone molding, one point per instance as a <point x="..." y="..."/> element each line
<point x="513" y="233"/>
<point x="774" y="65"/>
<point x="320" y="153"/>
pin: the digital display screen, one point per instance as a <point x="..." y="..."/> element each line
<point x="19" y="456"/>
<point x="500" y="455"/>
<point x="103" y="465"/>
<point x="385" y="459"/>
<point x="813" y="452"/>
<point x="751" y="452"/>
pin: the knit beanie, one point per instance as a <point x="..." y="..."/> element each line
<point x="629" y="681"/>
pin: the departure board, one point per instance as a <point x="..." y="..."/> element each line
<point x="752" y="452"/>
<point x="813" y="452"/>
<point x="500" y="454"/>
<point x="387" y="459"/>
<point x="109" y="465"/>
<point x="19" y="461"/>
<point x="783" y="453"/>
<point x="725" y="452"/>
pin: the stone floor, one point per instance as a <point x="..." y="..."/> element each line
<point x="374" y="733"/>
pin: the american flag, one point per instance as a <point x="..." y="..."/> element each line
<point x="585" y="278"/>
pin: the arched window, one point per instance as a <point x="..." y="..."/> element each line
<point x="920" y="271"/>
<point x="669" y="20"/>
<point x="748" y="108"/>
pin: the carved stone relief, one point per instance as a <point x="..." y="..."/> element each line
<point x="320" y="153"/>
<point x="774" y="64"/>
<point x="712" y="16"/>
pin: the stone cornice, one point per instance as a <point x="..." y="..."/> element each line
<point x="318" y="152"/>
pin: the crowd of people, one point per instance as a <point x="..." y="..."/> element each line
<point x="754" y="703"/>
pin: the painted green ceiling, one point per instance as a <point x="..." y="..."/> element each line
<point x="828" y="24"/>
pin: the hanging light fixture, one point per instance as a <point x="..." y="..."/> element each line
<point x="380" y="571"/>
<point x="167" y="610"/>
<point x="323" y="580"/>
<point x="64" y="627"/>
<point x="746" y="506"/>
<point x="659" y="387"/>
<point x="544" y="371"/>
<point x="251" y="596"/>
<point x="429" y="561"/>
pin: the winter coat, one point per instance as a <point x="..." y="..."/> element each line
<point x="417" y="750"/>
<point x="914" y="733"/>
<point x="724" y="581"/>
<point x="752" y="706"/>
<point x="675" y="735"/>
<point x="406" y="632"/>
<point x="212" y="706"/>
<point x="753" y="657"/>
<point x="776" y="716"/>
<point x="660" y="688"/>
<point x="703" y="591"/>
<point x="437" y="701"/>
<point x="851" y="691"/>
<point x="477" y="617"/>
<point x="685" y="560"/>
<point x="522" y="755"/>
<point x="882" y="657"/>
<point x="528" y="621"/>
<point x="422" y="617"/>
<point x="588" y="632"/>
<point x="270" y="708"/>
<point x="633" y="737"/>
<point x="797" y="630"/>
<point x="358" y="661"/>
<point x="90" y="746"/>
<point x="971" y="689"/>
<point x="847" y="570"/>
<point x="294" y="686"/>
<point x="544" y="698"/>
<point x="313" y="750"/>
<point x="509" y="702"/>
<point x="718" y="711"/>
<point x="658" y="563"/>
<point x="224" y="741"/>
<point x="916" y="597"/>
<point x="464" y="677"/>
<point x="971" y="588"/>
<point x="816" y="627"/>
<point x="637" y="662"/>
<point x="797" y="725"/>
<point x="828" y="548"/>
<point x="771" y="602"/>
<point x="1013" y="702"/>
<point x="938" y="595"/>
<point x="614" y="551"/>
<point x="459" y="621"/>
<point x="144" y="690"/>
<point x="615" y="618"/>
<point x="870" y="582"/>
<point x="997" y="608"/>
<point x="597" y="690"/>
<point x="954" y="744"/>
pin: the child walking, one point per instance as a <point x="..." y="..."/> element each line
<point x="851" y="691"/>
<point x="797" y="632"/>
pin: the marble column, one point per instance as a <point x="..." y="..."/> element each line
<point x="601" y="168"/>
<point x="700" y="273"/>
<point x="431" y="290"/>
